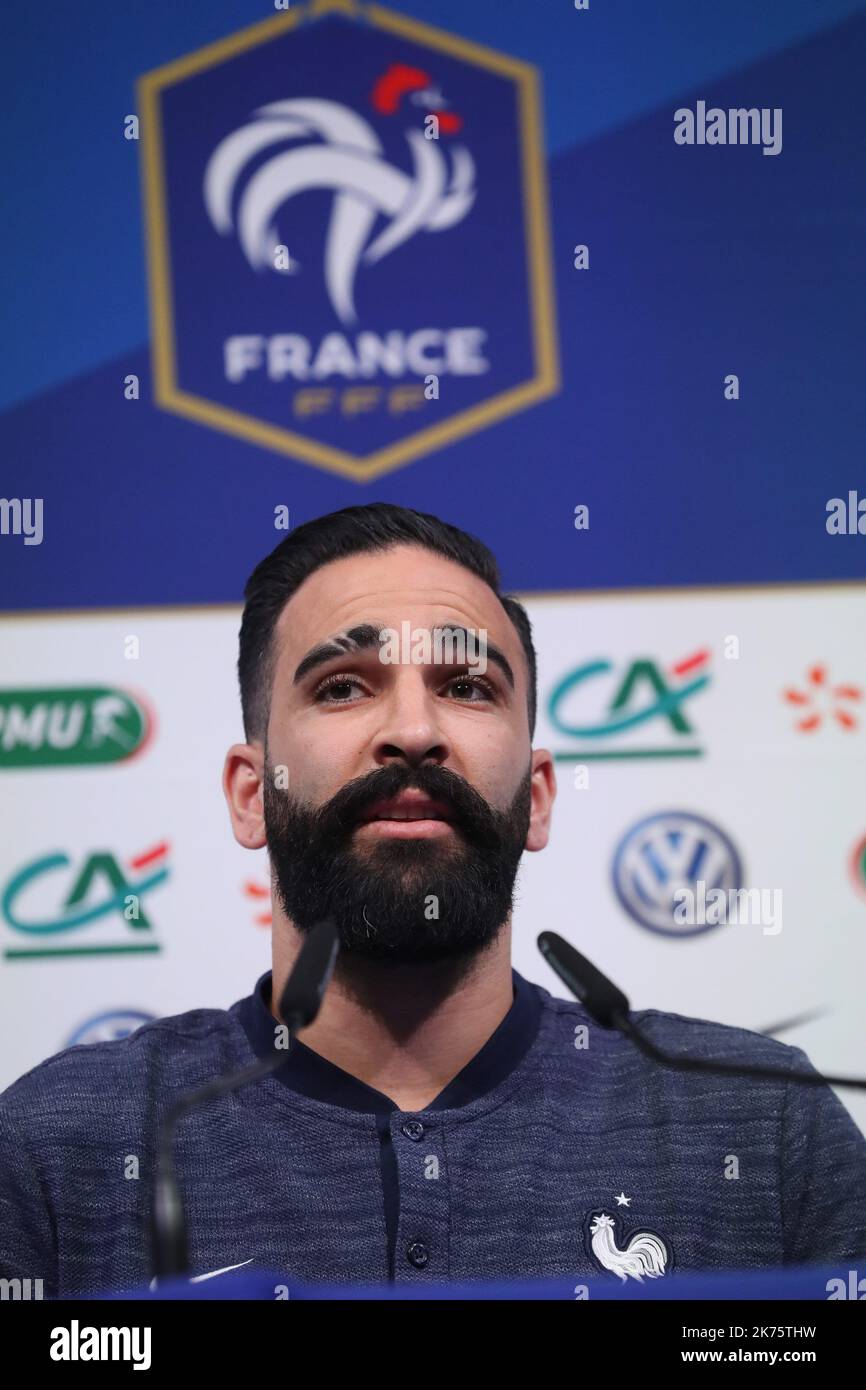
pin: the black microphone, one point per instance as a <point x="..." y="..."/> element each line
<point x="299" y="1004"/>
<point x="609" y="1007"/>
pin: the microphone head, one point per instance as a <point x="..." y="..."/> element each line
<point x="308" y="979"/>
<point x="598" y="995"/>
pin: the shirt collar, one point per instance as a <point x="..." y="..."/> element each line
<point x="306" y="1072"/>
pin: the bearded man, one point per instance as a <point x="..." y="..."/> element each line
<point x="437" y="1121"/>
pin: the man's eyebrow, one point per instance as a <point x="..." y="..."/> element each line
<point x="357" y="639"/>
<point x="366" y="635"/>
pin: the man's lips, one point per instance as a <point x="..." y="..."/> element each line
<point x="405" y="829"/>
<point x="411" y="815"/>
<point x="405" y="808"/>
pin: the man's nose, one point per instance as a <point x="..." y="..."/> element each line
<point x="410" y="727"/>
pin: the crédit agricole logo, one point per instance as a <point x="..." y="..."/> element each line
<point x="638" y="708"/>
<point x="93" y="904"/>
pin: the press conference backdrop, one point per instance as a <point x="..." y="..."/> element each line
<point x="585" y="281"/>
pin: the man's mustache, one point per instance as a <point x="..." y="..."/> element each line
<point x="466" y="808"/>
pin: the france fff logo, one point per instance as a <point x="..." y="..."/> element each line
<point x="348" y="243"/>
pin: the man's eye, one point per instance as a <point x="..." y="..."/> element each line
<point x="475" y="683"/>
<point x="334" y="690"/>
<point x="334" y="683"/>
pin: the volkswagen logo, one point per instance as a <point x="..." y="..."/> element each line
<point x="664" y="854"/>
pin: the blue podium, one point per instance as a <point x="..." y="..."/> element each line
<point x="823" y="1284"/>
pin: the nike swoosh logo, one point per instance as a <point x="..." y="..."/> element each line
<point x="212" y="1274"/>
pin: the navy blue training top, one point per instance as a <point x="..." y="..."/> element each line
<point x="311" y="1075"/>
<point x="559" y="1150"/>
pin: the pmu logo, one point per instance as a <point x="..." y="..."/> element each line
<point x="71" y="727"/>
<point x="665" y="853"/>
<point x="94" y="907"/>
<point x="348" y="238"/>
<point x="640" y="707"/>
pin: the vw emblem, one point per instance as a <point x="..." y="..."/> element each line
<point x="664" y="854"/>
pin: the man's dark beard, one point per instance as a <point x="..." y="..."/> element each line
<point x="408" y="901"/>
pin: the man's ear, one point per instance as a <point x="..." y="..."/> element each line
<point x="543" y="795"/>
<point x="242" y="786"/>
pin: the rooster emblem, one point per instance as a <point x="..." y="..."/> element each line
<point x="341" y="152"/>
<point x="645" y="1253"/>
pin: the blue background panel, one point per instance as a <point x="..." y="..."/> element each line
<point x="704" y="261"/>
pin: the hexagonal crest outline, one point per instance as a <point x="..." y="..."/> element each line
<point x="169" y="396"/>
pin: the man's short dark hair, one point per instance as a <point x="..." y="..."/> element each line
<point x="351" y="531"/>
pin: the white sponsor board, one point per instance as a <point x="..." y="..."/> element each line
<point x="681" y="752"/>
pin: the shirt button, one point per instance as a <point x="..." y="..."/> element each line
<point x="413" y="1129"/>
<point x="417" y="1254"/>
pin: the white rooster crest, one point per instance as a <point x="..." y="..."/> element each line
<point x="645" y="1254"/>
<point x="344" y="154"/>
